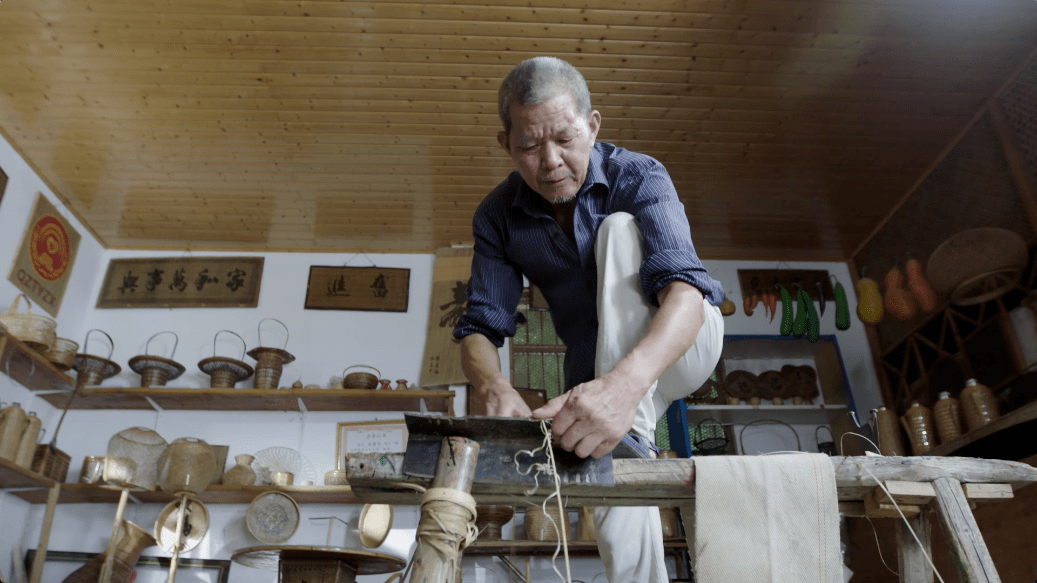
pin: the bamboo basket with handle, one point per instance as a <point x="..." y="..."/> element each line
<point x="37" y="331"/>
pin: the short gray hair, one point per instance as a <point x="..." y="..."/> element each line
<point x="537" y="80"/>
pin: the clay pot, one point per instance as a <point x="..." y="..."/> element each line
<point x="242" y="473"/>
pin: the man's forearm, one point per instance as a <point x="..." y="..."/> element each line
<point x="480" y="361"/>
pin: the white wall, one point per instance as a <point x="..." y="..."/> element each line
<point x="324" y="342"/>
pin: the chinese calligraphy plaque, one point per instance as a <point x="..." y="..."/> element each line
<point x="378" y="289"/>
<point x="182" y="282"/>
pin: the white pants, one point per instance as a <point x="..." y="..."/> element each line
<point x="630" y="538"/>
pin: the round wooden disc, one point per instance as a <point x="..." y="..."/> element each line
<point x="269" y="557"/>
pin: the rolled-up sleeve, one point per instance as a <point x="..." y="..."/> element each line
<point x="496" y="284"/>
<point x="669" y="253"/>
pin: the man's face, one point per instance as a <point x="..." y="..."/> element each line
<point x="551" y="146"/>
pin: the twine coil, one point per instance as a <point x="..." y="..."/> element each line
<point x="451" y="525"/>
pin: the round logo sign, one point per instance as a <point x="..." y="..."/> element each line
<point x="49" y="248"/>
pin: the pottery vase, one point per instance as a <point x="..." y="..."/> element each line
<point x="242" y="473"/>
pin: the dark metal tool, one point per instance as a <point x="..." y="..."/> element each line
<point x="500" y="440"/>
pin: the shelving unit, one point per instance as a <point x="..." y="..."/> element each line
<point x="29" y="368"/>
<point x="217" y="494"/>
<point x="246" y="399"/>
<point x="1010" y="437"/>
<point x="835" y="398"/>
<point x="12" y="476"/>
<point x="532" y="548"/>
<point x="742" y="414"/>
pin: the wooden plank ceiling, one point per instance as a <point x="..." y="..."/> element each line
<point x="789" y="127"/>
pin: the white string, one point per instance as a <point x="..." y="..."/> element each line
<point x="878" y="547"/>
<point x="895" y="505"/>
<point x="549" y="469"/>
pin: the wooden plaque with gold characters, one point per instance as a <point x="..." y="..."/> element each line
<point x="44" y="262"/>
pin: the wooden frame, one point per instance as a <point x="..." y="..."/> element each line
<point x="378" y="289"/>
<point x="149" y="569"/>
<point x="369" y="437"/>
<point x="182" y="282"/>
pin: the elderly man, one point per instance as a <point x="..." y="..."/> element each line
<point x="601" y="232"/>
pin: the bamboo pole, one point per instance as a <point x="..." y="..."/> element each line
<point x="455" y="471"/>
<point x="181" y="515"/>
<point x="41" y="548"/>
<point x="109" y="559"/>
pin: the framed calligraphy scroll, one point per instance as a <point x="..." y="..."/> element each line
<point x="44" y="262"/>
<point x="441" y="364"/>
<point x="182" y="282"/>
<point x="377" y="289"/>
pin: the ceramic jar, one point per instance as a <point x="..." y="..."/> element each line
<point x="978" y="404"/>
<point x="947" y="412"/>
<point x="918" y="422"/>
<point x="242" y="473"/>
<point x="888" y="431"/>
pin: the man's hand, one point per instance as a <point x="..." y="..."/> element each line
<point x="501" y="400"/>
<point x="494" y="394"/>
<point x="591" y="418"/>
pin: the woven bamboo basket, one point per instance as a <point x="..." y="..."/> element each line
<point x="34" y="330"/>
<point x="270" y="361"/>
<point x="154" y="371"/>
<point x="360" y="380"/>
<point x="225" y="372"/>
<point x="62" y="354"/>
<point x="51" y="462"/>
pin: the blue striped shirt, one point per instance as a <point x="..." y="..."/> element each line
<point x="516" y="234"/>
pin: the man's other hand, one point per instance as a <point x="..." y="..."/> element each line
<point x="590" y="419"/>
<point x="501" y="400"/>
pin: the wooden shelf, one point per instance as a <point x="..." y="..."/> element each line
<point x="742" y="414"/>
<point x="195" y="399"/>
<point x="12" y="476"/>
<point x="92" y="494"/>
<point x="1008" y="437"/>
<point x="29" y="368"/>
<point x="546" y="549"/>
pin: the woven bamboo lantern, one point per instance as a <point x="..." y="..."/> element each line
<point x="270" y="361"/>
<point x="154" y="371"/>
<point x="225" y="372"/>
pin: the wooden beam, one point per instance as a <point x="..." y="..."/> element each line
<point x="649" y="482"/>
<point x="960" y="526"/>
<point x="914" y="566"/>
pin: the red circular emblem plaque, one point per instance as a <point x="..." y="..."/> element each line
<point x="49" y="248"/>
